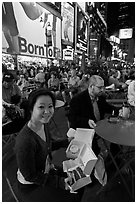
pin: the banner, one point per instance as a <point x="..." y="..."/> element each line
<point x="81" y="31"/>
<point x="67" y="12"/>
<point x="30" y="29"/>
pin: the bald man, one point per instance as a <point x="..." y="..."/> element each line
<point x="89" y="106"/>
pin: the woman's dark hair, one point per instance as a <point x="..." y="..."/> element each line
<point x="39" y="92"/>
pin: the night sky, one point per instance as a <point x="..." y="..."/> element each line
<point x="112" y="17"/>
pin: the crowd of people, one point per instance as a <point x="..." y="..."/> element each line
<point x="68" y="80"/>
<point x="32" y="94"/>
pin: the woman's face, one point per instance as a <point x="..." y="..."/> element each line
<point x="52" y="76"/>
<point x="43" y="109"/>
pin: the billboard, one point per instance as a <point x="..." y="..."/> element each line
<point x="30" y="29"/>
<point x="125" y="33"/>
<point x="67" y="12"/>
<point x="68" y="54"/>
<point x="81" y="30"/>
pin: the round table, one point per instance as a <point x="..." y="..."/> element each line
<point x="122" y="132"/>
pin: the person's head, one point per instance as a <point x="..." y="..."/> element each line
<point x="40" y="79"/>
<point x="96" y="86"/>
<point x="8" y="80"/>
<point x="73" y="65"/>
<point x="22" y="77"/>
<point x="114" y="73"/>
<point x="73" y="72"/>
<point x="41" y="105"/>
<point x="53" y="75"/>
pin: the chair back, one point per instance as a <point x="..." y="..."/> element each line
<point x="9" y="172"/>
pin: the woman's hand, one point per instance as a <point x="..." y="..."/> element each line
<point x="70" y="139"/>
<point x="92" y="124"/>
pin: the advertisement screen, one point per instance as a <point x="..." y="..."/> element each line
<point x="30" y="29"/>
<point x="82" y="30"/>
<point x="67" y="12"/>
<point x="125" y="33"/>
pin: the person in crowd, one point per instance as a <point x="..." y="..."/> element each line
<point x="10" y="91"/>
<point x="74" y="79"/>
<point x="118" y="74"/>
<point x="22" y="82"/>
<point x="33" y="149"/>
<point x="83" y="83"/>
<point x="131" y="88"/>
<point x="11" y="101"/>
<point x="80" y="74"/>
<point x="88" y="107"/>
<point x="32" y="74"/>
<point x="25" y="71"/>
<point x="131" y="93"/>
<point x="63" y="75"/>
<point x="40" y="79"/>
<point x="53" y="83"/>
<point x="113" y="80"/>
<point x="72" y="88"/>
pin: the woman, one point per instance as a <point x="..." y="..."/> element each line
<point x="53" y="83"/>
<point x="33" y="151"/>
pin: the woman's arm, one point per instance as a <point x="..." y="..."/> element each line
<point x="25" y="154"/>
<point x="58" y="144"/>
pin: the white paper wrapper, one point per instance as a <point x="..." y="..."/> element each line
<point x="85" y="135"/>
<point x="80" y="157"/>
<point x="76" y="180"/>
<point x="71" y="132"/>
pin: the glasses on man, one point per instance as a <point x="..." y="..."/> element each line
<point x="100" y="87"/>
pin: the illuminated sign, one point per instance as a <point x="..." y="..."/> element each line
<point x="33" y="30"/>
<point x="68" y="54"/>
<point x="32" y="49"/>
<point x="125" y="33"/>
<point x="67" y="12"/>
<point x="81" y="31"/>
<point x="114" y="39"/>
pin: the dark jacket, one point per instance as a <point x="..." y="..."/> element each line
<point x="81" y="110"/>
<point x="31" y="153"/>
